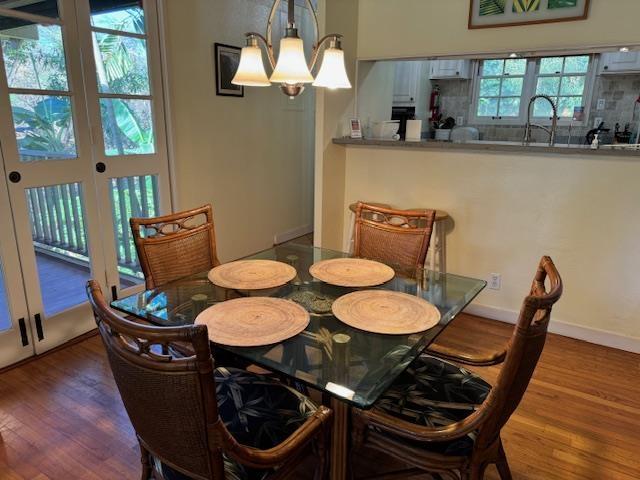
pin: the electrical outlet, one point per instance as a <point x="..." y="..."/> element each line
<point x="601" y="104"/>
<point x="460" y="121"/>
<point x="597" y="122"/>
<point x="495" y="281"/>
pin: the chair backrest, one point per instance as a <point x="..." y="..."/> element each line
<point x="170" y="400"/>
<point x="175" y="246"/>
<point x="398" y="237"/>
<point x="523" y="351"/>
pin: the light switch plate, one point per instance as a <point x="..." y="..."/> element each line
<point x="601" y="104"/>
<point x="460" y="121"/>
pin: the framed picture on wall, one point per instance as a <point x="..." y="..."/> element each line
<point x="508" y="13"/>
<point x="227" y="58"/>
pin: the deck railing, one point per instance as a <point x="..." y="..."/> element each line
<point x="58" y="225"/>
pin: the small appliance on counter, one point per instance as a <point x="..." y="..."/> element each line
<point x="464" y="134"/>
<point x="402" y="115"/>
<point x="385" y="130"/>
<point x="414" y="131"/>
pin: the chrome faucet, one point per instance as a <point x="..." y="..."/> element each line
<point x="529" y="125"/>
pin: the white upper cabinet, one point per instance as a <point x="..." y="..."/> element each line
<point x="619" y="62"/>
<point x="405" y="87"/>
<point x="442" y="69"/>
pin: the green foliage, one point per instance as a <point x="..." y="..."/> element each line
<point x="562" y="4"/>
<point x="523" y="6"/>
<point x="492" y="7"/>
<point x="45" y="127"/>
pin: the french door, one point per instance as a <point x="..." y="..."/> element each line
<point x="83" y="145"/>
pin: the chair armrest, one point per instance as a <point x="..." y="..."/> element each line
<point x="385" y="422"/>
<point x="316" y="426"/>
<point x="479" y="361"/>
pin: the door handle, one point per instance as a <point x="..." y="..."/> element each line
<point x="23" y="332"/>
<point x="38" y="320"/>
<point x="15" y="177"/>
<point x="114" y="292"/>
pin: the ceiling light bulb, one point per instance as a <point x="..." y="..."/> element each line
<point x="251" y="71"/>
<point x="292" y="65"/>
<point x="332" y="73"/>
<point x="514" y="55"/>
<point x="624" y="49"/>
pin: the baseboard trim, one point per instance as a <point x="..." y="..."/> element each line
<point x="291" y="234"/>
<point x="571" y="330"/>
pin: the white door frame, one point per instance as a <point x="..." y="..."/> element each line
<point x="73" y="322"/>
<point x="156" y="164"/>
<point x="13" y="347"/>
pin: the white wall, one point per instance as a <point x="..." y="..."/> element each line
<point x="419" y="28"/>
<point x="509" y="210"/>
<point x="375" y="91"/>
<point x="251" y="157"/>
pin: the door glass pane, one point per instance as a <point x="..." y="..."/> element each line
<point x="43" y="126"/>
<point x="127" y="126"/>
<point x="121" y="64"/>
<point x="46" y="8"/>
<point x="121" y="15"/>
<point x="5" y="316"/>
<point x="60" y="242"/>
<point x="34" y="57"/>
<point x="131" y="197"/>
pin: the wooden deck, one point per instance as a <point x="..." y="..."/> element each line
<point x="62" y="284"/>
<point x="61" y="417"/>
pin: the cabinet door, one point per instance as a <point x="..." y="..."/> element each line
<point x="620" y="62"/>
<point x="405" y="87"/>
<point x="449" y="69"/>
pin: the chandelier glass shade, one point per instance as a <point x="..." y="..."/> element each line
<point x="251" y="69"/>
<point x="291" y="70"/>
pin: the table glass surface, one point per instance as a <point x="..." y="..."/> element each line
<point x="351" y="364"/>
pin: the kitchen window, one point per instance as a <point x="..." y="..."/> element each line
<point x="500" y="88"/>
<point x="503" y="88"/>
<point x="564" y="79"/>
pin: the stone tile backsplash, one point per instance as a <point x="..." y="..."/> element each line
<point x="619" y="92"/>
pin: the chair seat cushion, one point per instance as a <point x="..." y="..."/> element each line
<point x="258" y="412"/>
<point x="433" y="392"/>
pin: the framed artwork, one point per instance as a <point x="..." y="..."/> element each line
<point x="508" y="13"/>
<point x="227" y="58"/>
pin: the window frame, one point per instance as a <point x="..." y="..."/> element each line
<point x="532" y="74"/>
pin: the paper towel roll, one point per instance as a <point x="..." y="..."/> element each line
<point x="414" y="131"/>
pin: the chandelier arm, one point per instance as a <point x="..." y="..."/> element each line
<point x="318" y="46"/>
<point x="269" y="49"/>
<point x="272" y="15"/>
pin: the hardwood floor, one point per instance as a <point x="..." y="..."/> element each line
<point x="61" y="416"/>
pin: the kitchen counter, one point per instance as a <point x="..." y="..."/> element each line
<point x="492" y="146"/>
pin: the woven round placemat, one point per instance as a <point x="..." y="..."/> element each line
<point x="253" y="321"/>
<point x="384" y="311"/>
<point x="252" y="274"/>
<point x="352" y="272"/>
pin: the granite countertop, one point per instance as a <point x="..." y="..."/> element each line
<point x="481" y="145"/>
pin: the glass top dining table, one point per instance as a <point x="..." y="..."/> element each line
<point x="352" y="365"/>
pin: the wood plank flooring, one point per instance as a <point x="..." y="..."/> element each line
<point x="61" y="417"/>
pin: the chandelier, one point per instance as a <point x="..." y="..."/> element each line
<point x="291" y="70"/>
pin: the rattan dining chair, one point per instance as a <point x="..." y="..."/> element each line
<point x="440" y="418"/>
<point x="391" y="236"/>
<point x="175" y="246"/>
<point x="194" y="422"/>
